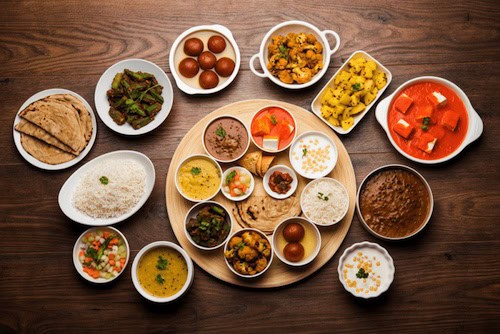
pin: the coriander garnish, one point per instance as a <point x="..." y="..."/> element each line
<point x="221" y="132"/>
<point x="195" y="170"/>
<point x="273" y="120"/>
<point x="104" y="180"/>
<point x="425" y="123"/>
<point x="356" y="87"/>
<point x="160" y="279"/>
<point x="362" y="273"/>
<point x="230" y="177"/>
<point x="304" y="152"/>
<point x="283" y="51"/>
<point x="322" y="196"/>
<point x="161" y="264"/>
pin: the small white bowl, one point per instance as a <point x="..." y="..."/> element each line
<point x="218" y="29"/>
<point x="238" y="233"/>
<point x="192" y="214"/>
<point x="279" y="252"/>
<point x="294" y="131"/>
<point x="204" y="156"/>
<point x="316" y="103"/>
<point x="296" y="163"/>
<point x="79" y="244"/>
<point x="296" y="27"/>
<point x="212" y="121"/>
<point x="104" y="84"/>
<point x="249" y="190"/>
<point x="376" y="249"/>
<point x="283" y="169"/>
<point x="474" y="130"/>
<point x="329" y="179"/>
<point x="187" y="284"/>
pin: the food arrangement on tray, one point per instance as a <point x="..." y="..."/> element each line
<point x="253" y="179"/>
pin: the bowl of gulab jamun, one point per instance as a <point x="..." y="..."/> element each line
<point x="204" y="59"/>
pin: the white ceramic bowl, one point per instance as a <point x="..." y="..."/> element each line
<point x="79" y="244"/>
<point x="316" y="103"/>
<point x="192" y="214"/>
<point x="65" y="197"/>
<point x="389" y="167"/>
<point x="388" y="272"/>
<point x="104" y="84"/>
<point x="279" y="252"/>
<point x="187" y="284"/>
<point x="474" y="130"/>
<point x="218" y="29"/>
<point x="204" y="156"/>
<point x="32" y="160"/>
<point x="328" y="179"/>
<point x="296" y="163"/>
<point x="296" y="27"/>
<point x="238" y="233"/>
<point x="249" y="190"/>
<point x="282" y="169"/>
<point x="214" y="120"/>
<point x="294" y="133"/>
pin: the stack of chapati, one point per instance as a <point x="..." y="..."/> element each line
<point x="55" y="129"/>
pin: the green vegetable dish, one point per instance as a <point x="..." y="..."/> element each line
<point x="134" y="98"/>
<point x="210" y="227"/>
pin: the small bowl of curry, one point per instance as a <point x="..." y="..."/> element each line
<point x="394" y="202"/>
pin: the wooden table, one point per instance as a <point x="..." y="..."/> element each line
<point x="446" y="278"/>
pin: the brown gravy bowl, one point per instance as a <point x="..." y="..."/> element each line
<point x="394" y="202"/>
<point x="226" y="138"/>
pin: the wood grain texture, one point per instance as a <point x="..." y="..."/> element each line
<point x="446" y="278"/>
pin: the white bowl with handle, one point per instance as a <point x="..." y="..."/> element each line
<point x="296" y="27"/>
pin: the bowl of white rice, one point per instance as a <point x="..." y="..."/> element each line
<point x="324" y="201"/>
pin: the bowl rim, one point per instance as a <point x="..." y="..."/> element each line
<point x="193" y="156"/>
<point x="327" y="53"/>
<point x="388" y="167"/>
<point x="205" y="131"/>
<point x="218" y="28"/>
<point x="76" y="249"/>
<point x="376" y="246"/>
<point x="189" y="278"/>
<point x="296" y="128"/>
<point x="192" y="211"/>
<point x="329" y="179"/>
<point x="321" y="134"/>
<point x="243" y="230"/>
<point x="293" y="185"/>
<point x="474" y="130"/>
<point x="250" y="190"/>
<point x="312" y="256"/>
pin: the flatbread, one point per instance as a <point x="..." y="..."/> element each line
<point x="249" y="161"/>
<point x="83" y="113"/>
<point x="44" y="152"/>
<point x="267" y="160"/>
<point x="31" y="129"/>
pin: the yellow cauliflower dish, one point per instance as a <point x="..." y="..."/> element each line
<point x="353" y="89"/>
<point x="295" y="58"/>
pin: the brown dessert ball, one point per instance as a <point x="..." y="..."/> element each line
<point x="293" y="232"/>
<point x="188" y="67"/>
<point x="216" y="44"/>
<point x="206" y="60"/>
<point x="224" y="67"/>
<point x="193" y="46"/>
<point x="208" y="79"/>
<point x="294" y="252"/>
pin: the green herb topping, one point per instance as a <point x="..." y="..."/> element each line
<point x="230" y="177"/>
<point x="160" y="279"/>
<point x="283" y="51"/>
<point x="304" y="152"/>
<point x="425" y="123"/>
<point x="195" y="170"/>
<point x="162" y="263"/>
<point x="104" y="180"/>
<point x="323" y="197"/>
<point x="356" y="87"/>
<point x="362" y="273"/>
<point x="221" y="132"/>
<point x="273" y="120"/>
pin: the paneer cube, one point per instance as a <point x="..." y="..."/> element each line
<point x="427" y="142"/>
<point x="437" y="99"/>
<point x="270" y="143"/>
<point x="261" y="127"/>
<point x="403" y="103"/>
<point x="425" y="112"/>
<point x="403" y="128"/>
<point x="450" y="120"/>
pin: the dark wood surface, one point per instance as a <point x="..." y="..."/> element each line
<point x="447" y="278"/>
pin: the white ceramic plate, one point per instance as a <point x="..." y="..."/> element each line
<point x="283" y="169"/>
<point x="32" y="160"/>
<point x="316" y="103"/>
<point x="67" y="190"/>
<point x="104" y="84"/>
<point x="79" y="244"/>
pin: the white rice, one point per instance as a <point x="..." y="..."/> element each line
<point x="321" y="211"/>
<point x="126" y="183"/>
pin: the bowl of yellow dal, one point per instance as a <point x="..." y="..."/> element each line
<point x="162" y="272"/>
<point x="198" y="178"/>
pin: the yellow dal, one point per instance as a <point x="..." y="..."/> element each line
<point x="203" y="185"/>
<point x="175" y="274"/>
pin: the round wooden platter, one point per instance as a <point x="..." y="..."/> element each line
<point x="279" y="274"/>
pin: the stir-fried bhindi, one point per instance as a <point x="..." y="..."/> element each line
<point x="135" y="98"/>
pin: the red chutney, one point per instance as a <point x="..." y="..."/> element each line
<point x="424" y="104"/>
<point x="273" y="122"/>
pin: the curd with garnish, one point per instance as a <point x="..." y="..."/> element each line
<point x="313" y="155"/>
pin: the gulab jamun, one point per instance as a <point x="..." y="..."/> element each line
<point x="193" y="46"/>
<point x="224" y="67"/>
<point x="208" y="79"/>
<point x="216" y="44"/>
<point x="207" y="60"/>
<point x="294" y="252"/>
<point x="293" y="232"/>
<point x="188" y="67"/>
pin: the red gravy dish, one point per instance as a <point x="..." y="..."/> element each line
<point x="394" y="202"/>
<point x="428" y="120"/>
<point x="273" y="129"/>
<point x="226" y="139"/>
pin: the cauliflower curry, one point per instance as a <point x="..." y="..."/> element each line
<point x="248" y="253"/>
